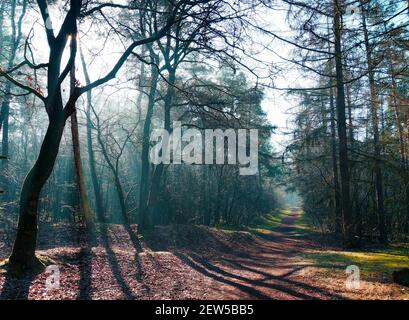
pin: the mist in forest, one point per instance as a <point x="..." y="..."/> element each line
<point x="169" y="117"/>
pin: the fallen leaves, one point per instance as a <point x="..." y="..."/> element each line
<point x="181" y="262"/>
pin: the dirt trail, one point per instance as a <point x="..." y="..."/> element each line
<point x="232" y="266"/>
<point x="267" y="268"/>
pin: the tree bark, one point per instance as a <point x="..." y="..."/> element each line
<point x="5" y="113"/>
<point x="350" y="122"/>
<point x="338" y="209"/>
<point x="348" y="228"/>
<point x="144" y="222"/>
<point x="87" y="214"/>
<point x="23" y="254"/>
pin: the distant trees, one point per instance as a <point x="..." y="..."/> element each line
<point x="366" y="118"/>
<point x="23" y="255"/>
<point x="12" y="42"/>
<point x="217" y="194"/>
<point x="198" y="63"/>
<point x="165" y="41"/>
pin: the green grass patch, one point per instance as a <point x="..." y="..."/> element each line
<point x="272" y="221"/>
<point x="303" y="225"/>
<point x="268" y="222"/>
<point x="371" y="263"/>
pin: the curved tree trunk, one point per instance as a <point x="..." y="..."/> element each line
<point x="23" y="254"/>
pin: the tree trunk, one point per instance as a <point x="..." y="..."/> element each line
<point x="216" y="221"/>
<point x="348" y="228"/>
<point x="350" y="122"/>
<point x="23" y="254"/>
<point x="121" y="197"/>
<point x="338" y="209"/>
<point x="157" y="175"/>
<point x="375" y="127"/>
<point x="204" y="206"/>
<point x="120" y="193"/>
<point x="87" y="214"/>
<point x="79" y="172"/>
<point x="5" y="113"/>
<point x="144" y="185"/>
<point x="90" y="148"/>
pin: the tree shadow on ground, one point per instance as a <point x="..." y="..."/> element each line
<point x="255" y="288"/>
<point x="16" y="288"/>
<point x="114" y="264"/>
<point x="244" y="288"/>
<point x="284" y="278"/>
<point x="85" y="284"/>
<point x="86" y="256"/>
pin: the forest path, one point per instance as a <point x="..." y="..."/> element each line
<point x="268" y="267"/>
<point x="185" y="262"/>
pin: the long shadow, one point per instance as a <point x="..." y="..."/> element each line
<point x="253" y="282"/>
<point x="284" y="278"/>
<point x="138" y="247"/>
<point x="114" y="265"/>
<point x="16" y="288"/>
<point x="85" y="241"/>
<point x="276" y="239"/>
<point x="246" y="289"/>
<point x="85" y="258"/>
<point x="253" y="256"/>
<point x="220" y="246"/>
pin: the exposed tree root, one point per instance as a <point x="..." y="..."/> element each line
<point x="18" y="270"/>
